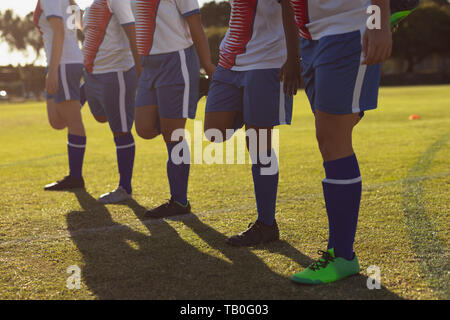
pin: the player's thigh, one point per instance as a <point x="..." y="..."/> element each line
<point x="172" y="129"/>
<point x="54" y="118"/>
<point x="146" y="117"/>
<point x="71" y="113"/>
<point x="96" y="108"/>
<point x="265" y="103"/>
<point x="335" y="126"/>
<point x="258" y="138"/>
<point x="119" y="100"/>
<point x="147" y="121"/>
<point x="342" y="84"/>
<point x="93" y="91"/>
<point x="220" y="125"/>
<point x="223" y="112"/>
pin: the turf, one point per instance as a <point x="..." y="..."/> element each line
<point x="403" y="227"/>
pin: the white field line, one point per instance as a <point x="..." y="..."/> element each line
<point x="64" y="234"/>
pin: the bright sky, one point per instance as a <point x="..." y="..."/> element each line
<point x="23" y="7"/>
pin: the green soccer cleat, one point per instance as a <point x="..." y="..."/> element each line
<point x="327" y="269"/>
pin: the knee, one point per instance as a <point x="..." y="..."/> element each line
<point x="333" y="146"/>
<point x="326" y="143"/>
<point x="101" y="119"/>
<point x="147" y="133"/>
<point x="57" y="124"/>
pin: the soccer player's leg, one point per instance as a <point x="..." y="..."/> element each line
<point x="265" y="182"/>
<point x="94" y="95"/>
<point x="119" y="104"/>
<point x="173" y="110"/>
<point x="344" y="89"/>
<point x="54" y="118"/>
<point x="177" y="98"/>
<point x="265" y="106"/>
<point x="67" y="108"/>
<point x="147" y="116"/>
<point x="224" y="106"/>
<point x="147" y="120"/>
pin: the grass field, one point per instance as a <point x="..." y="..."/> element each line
<point x="403" y="227"/>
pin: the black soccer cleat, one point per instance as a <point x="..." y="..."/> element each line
<point x="257" y="233"/>
<point x="169" y="209"/>
<point x="68" y="183"/>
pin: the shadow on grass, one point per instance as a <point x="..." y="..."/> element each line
<point x="122" y="263"/>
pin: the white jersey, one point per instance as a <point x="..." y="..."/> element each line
<point x="106" y="45"/>
<point x="255" y="39"/>
<point x="161" y="26"/>
<point x="46" y="9"/>
<point x="318" y="18"/>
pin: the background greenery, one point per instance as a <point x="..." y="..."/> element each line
<point x="403" y="227"/>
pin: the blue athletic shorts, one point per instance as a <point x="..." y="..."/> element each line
<point x="257" y="94"/>
<point x="112" y="95"/>
<point x="170" y="81"/>
<point x="335" y="80"/>
<point x="69" y="83"/>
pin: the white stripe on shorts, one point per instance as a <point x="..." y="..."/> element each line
<point x="343" y="181"/>
<point x="122" y="95"/>
<point x="185" y="72"/>
<point x="62" y="71"/>
<point x="359" y="82"/>
<point x="282" y="107"/>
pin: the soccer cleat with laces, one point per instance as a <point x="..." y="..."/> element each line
<point x="169" y="209"/>
<point x="118" y="195"/>
<point x="67" y="183"/>
<point x="257" y="233"/>
<point x="328" y="268"/>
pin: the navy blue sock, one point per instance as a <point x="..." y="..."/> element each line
<point x="265" y="182"/>
<point x="178" y="165"/>
<point x="125" y="149"/>
<point x="76" y="145"/>
<point x="342" y="190"/>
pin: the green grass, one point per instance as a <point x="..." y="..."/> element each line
<point x="403" y="227"/>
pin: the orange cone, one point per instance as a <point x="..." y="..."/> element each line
<point x="414" y="117"/>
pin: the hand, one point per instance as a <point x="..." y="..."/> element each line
<point x="290" y="74"/>
<point x="51" y="82"/>
<point x="210" y="69"/>
<point x="377" y="45"/>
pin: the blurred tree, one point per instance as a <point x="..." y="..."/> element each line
<point x="20" y="33"/>
<point x="423" y="33"/>
<point x="215" y="14"/>
<point x="440" y="2"/>
<point x="215" y="36"/>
